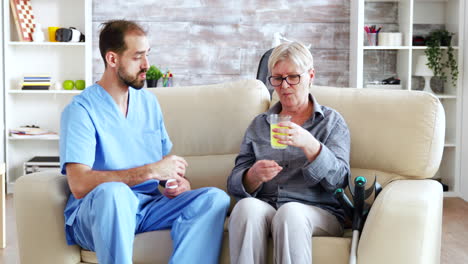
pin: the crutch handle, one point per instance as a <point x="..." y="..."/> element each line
<point x="359" y="197"/>
<point x="345" y="202"/>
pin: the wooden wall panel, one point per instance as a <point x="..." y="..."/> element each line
<point x="211" y="41"/>
<point x="381" y="12"/>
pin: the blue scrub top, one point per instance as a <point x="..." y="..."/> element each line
<point x="94" y="132"/>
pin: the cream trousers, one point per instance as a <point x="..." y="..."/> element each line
<point x="291" y="227"/>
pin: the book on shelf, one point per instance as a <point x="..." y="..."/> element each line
<point x="32" y="132"/>
<point x="36" y="78"/>
<point x="36" y="82"/>
<point x="35" y="87"/>
<point x="45" y="136"/>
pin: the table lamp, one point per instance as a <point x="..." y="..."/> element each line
<point x="423" y="70"/>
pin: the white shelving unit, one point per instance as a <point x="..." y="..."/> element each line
<point x="2" y="84"/>
<point x="412" y="15"/>
<point x="74" y="92"/>
<point x="464" y="147"/>
<point x="61" y="60"/>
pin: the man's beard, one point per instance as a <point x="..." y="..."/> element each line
<point x="130" y="81"/>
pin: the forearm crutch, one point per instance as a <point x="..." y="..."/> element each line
<point x="359" y="211"/>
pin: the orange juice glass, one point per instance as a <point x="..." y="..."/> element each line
<point x="274" y="120"/>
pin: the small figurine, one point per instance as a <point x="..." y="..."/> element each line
<point x="38" y="35"/>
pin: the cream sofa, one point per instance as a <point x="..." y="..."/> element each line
<point x="396" y="135"/>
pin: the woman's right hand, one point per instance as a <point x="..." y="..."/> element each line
<point x="262" y="171"/>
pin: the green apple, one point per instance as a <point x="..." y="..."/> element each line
<point x="68" y="85"/>
<point x="80" y="84"/>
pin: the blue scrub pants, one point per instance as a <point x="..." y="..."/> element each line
<point x="111" y="214"/>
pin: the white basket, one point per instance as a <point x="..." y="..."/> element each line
<point x="389" y="39"/>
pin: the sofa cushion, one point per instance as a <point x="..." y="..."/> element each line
<point x="156" y="247"/>
<point x="391" y="132"/>
<point x="211" y="119"/>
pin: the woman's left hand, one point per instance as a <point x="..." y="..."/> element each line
<point x="297" y="136"/>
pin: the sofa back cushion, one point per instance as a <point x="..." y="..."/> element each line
<point x="396" y="133"/>
<point x="207" y="123"/>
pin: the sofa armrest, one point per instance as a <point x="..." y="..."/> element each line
<point x="404" y="224"/>
<point x="40" y="199"/>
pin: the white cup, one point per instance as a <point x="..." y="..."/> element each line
<point x="371" y="39"/>
<point x="172" y="186"/>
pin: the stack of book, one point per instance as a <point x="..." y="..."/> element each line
<point x="36" y="82"/>
<point x="32" y="132"/>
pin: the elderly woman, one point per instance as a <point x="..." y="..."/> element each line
<point x="288" y="193"/>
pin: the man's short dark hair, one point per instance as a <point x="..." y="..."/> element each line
<point x="112" y="36"/>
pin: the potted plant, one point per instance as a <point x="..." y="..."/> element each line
<point x="152" y="76"/>
<point x="437" y="63"/>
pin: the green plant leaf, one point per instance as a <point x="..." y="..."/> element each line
<point x="153" y="73"/>
<point x="435" y="55"/>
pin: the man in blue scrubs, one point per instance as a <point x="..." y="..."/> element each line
<point x="114" y="150"/>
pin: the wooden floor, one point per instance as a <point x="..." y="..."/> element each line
<point x="9" y="255"/>
<point x="454" y="233"/>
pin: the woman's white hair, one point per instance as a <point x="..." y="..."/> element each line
<point x="296" y="52"/>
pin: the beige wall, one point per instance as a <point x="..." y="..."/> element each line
<point x="211" y="41"/>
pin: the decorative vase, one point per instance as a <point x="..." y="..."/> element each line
<point x="151" y="83"/>
<point x="437" y="85"/>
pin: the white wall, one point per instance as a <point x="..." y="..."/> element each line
<point x="2" y="85"/>
<point x="464" y="150"/>
<point x="214" y="41"/>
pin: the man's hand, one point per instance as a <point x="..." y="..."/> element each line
<point x="262" y="171"/>
<point x="171" y="166"/>
<point x="82" y="178"/>
<point x="183" y="185"/>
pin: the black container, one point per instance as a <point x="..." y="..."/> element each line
<point x="151" y="83"/>
<point x="446" y="41"/>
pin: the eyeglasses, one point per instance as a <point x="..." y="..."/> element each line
<point x="292" y="79"/>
